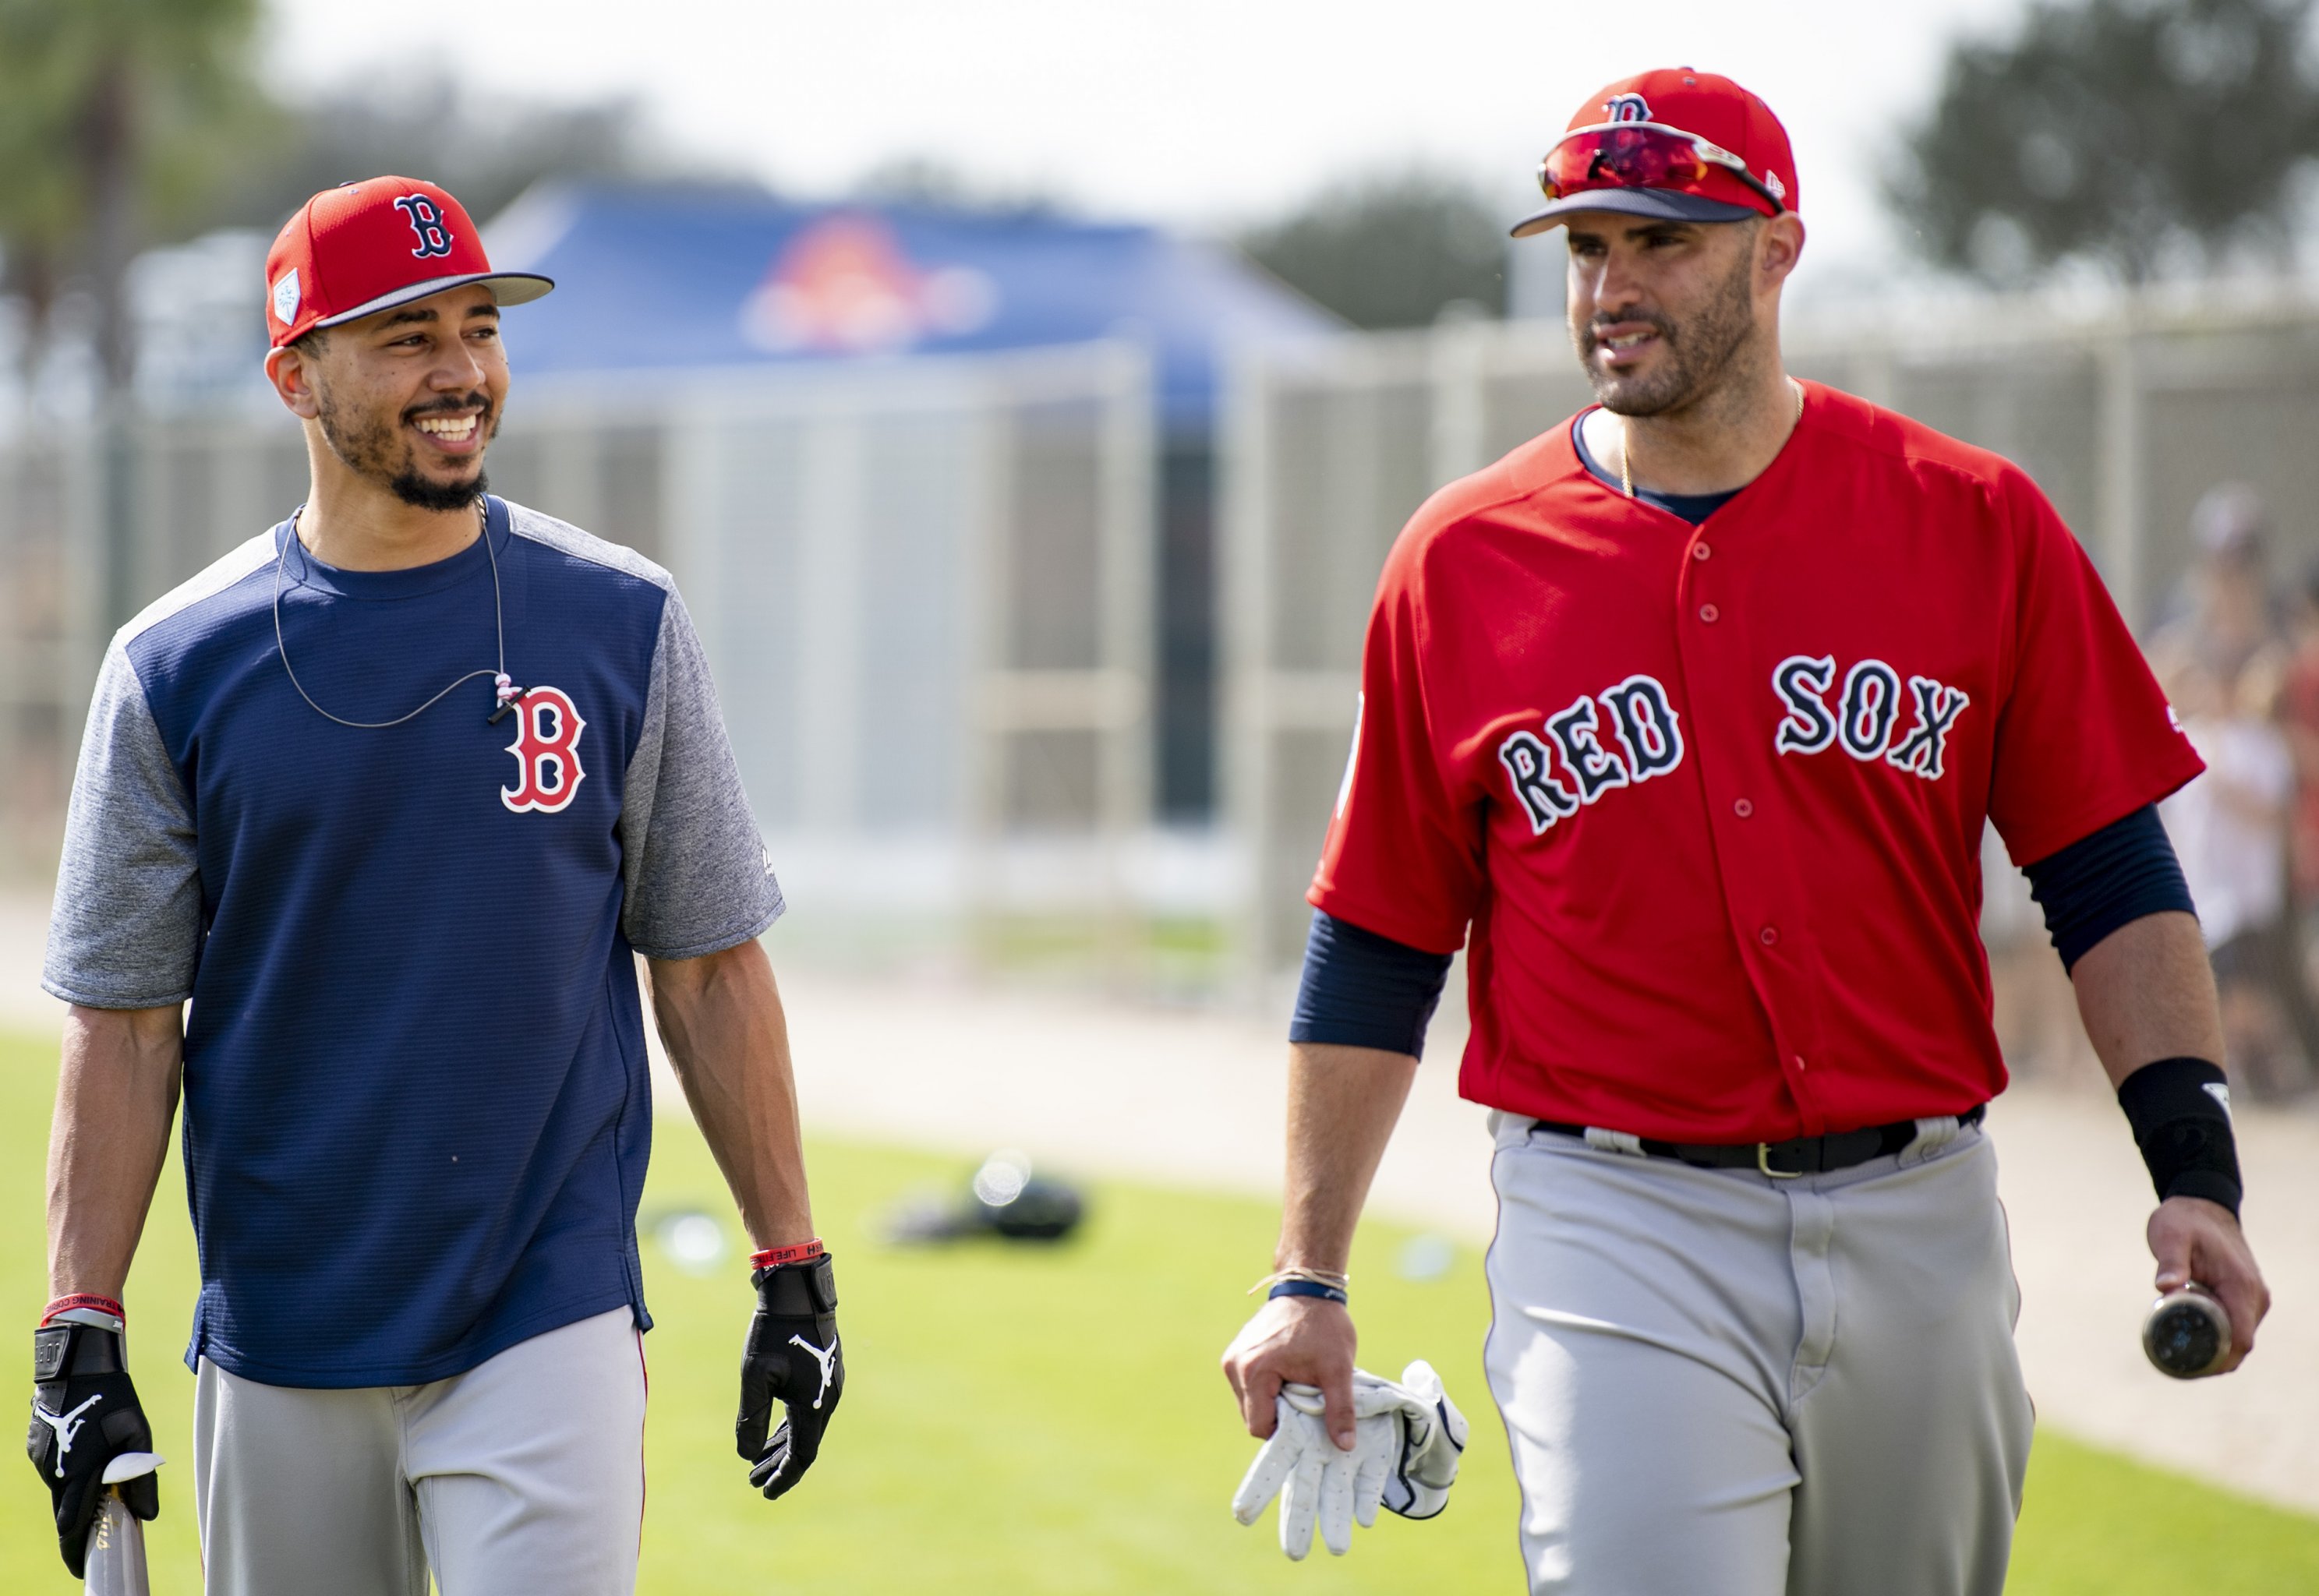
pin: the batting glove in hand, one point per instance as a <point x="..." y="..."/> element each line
<point x="792" y="1357"/>
<point x="1432" y="1435"/>
<point x="84" y="1414"/>
<point x="1408" y="1437"/>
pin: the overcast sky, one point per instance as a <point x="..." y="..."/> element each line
<point x="1202" y="113"/>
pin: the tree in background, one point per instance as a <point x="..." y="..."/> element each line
<point x="482" y="149"/>
<point x="129" y="123"/>
<point x="115" y="116"/>
<point x="1391" y="251"/>
<point x="2131" y="133"/>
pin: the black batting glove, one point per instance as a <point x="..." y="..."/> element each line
<point x="792" y="1358"/>
<point x="84" y="1414"/>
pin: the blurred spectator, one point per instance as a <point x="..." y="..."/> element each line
<point x="2223" y="664"/>
<point x="2223" y="619"/>
<point x="2298" y="716"/>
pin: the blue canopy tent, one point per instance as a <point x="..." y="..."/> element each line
<point x="654" y="277"/>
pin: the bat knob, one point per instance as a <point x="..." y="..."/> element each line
<point x="2188" y="1333"/>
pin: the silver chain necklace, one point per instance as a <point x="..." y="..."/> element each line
<point x="506" y="691"/>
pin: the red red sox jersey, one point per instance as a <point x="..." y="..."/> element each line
<point x="1705" y="804"/>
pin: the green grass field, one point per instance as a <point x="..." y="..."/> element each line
<point x="1033" y="1421"/>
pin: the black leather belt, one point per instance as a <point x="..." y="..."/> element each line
<point x="1782" y="1160"/>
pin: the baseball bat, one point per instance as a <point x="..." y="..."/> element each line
<point x="116" y="1541"/>
<point x="2188" y="1333"/>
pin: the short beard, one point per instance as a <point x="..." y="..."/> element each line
<point x="420" y="493"/>
<point x="1699" y="354"/>
<point x="369" y="449"/>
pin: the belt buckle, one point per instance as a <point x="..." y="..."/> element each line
<point x="1763" y="1163"/>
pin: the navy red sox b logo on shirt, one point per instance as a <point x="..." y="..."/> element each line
<point x="426" y="218"/>
<point x="1646" y="740"/>
<point x="547" y="747"/>
<point x="1864" y="718"/>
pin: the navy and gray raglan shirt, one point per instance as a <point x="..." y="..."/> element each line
<point x="416" y="1111"/>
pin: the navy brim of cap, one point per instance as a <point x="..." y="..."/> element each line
<point x="1664" y="204"/>
<point x="509" y="288"/>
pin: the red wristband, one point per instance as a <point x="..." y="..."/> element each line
<point x="799" y="1253"/>
<point x="82" y="1300"/>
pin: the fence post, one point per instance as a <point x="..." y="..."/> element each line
<point x="989" y="624"/>
<point x="1244" y="566"/>
<point x="2120" y="483"/>
<point x="829" y="652"/>
<point x="694" y="513"/>
<point x="1456" y="350"/>
<point x="117" y="499"/>
<point x="1127" y="665"/>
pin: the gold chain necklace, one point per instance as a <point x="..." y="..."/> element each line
<point x="1626" y="447"/>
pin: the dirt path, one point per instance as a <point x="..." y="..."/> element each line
<point x="1196" y="1098"/>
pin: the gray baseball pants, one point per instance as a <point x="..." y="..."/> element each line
<point x="1717" y="1381"/>
<point x="525" y="1475"/>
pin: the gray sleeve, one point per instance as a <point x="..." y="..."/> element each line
<point x="697" y="876"/>
<point x="126" y="931"/>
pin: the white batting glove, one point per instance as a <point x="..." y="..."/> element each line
<point x="1430" y="1437"/>
<point x="1407" y="1437"/>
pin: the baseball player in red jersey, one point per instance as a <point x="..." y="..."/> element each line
<point x="1684" y="720"/>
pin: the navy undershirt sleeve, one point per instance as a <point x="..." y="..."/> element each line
<point x="2104" y="880"/>
<point x="1363" y="990"/>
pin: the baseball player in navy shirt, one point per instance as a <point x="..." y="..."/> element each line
<point x="392" y="795"/>
<point x="1684" y="720"/>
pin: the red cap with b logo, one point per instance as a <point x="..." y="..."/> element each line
<point x="1674" y="145"/>
<point x="369" y="246"/>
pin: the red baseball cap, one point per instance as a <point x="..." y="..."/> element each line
<point x="367" y="246"/>
<point x="1679" y="144"/>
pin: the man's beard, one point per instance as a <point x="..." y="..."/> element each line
<point x="368" y="447"/>
<point x="1699" y="353"/>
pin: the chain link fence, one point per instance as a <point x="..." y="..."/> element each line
<point x="924" y="587"/>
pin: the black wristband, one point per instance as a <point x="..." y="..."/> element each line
<point x="1306" y="1288"/>
<point x="2179" y="1109"/>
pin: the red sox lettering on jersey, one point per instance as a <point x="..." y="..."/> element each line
<point x="546" y="747"/>
<point x="1704" y="804"/>
<point x="1649" y="738"/>
<point x="1552" y="779"/>
<point x="1864" y="718"/>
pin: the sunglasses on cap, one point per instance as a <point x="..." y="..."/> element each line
<point x="1643" y="155"/>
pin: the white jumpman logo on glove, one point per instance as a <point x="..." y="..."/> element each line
<point x="823" y="1358"/>
<point x="68" y="1425"/>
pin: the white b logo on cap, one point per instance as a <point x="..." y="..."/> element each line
<point x="286" y="297"/>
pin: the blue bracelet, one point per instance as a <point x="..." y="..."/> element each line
<point x="1305" y="1288"/>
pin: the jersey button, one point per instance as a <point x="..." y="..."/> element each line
<point x="1708" y="612"/>
<point x="1769" y="936"/>
<point x="1700" y="551"/>
<point x="1800" y="1060"/>
<point x="1742" y="807"/>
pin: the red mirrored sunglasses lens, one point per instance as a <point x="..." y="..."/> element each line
<point x="1621" y="157"/>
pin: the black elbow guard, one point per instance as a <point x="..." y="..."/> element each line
<point x="2179" y="1109"/>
